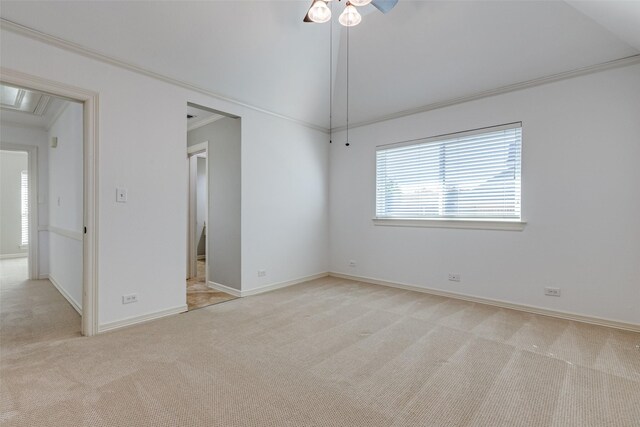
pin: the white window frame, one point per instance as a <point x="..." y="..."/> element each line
<point x="464" y="223"/>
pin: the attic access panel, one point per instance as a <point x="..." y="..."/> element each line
<point x="24" y="100"/>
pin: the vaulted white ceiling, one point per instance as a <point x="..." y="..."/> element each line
<point x="422" y="52"/>
<point x="257" y="52"/>
<point x="622" y="18"/>
<point x="425" y="52"/>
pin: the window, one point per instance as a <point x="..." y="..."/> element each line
<point x="24" y="206"/>
<point x="471" y="175"/>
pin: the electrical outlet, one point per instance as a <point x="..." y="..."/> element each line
<point x="454" y="277"/>
<point x="128" y="299"/>
<point x="352" y="263"/>
<point x="262" y="273"/>
<point x="552" y="292"/>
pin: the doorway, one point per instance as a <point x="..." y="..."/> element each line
<point x="198" y="292"/>
<point x="57" y="125"/>
<point x="203" y="202"/>
<point x="41" y="214"/>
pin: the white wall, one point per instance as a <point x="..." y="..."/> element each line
<point x="66" y="206"/>
<point x="581" y="198"/>
<point x="284" y="182"/>
<point x="35" y="137"/>
<point x="224" y="199"/>
<point x="12" y="164"/>
<point x="284" y="203"/>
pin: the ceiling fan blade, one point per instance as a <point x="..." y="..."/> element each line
<point x="306" y="17"/>
<point x="384" y="6"/>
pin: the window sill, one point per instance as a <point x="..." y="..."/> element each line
<point x="475" y="224"/>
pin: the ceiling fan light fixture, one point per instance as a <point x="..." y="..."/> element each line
<point x="360" y="2"/>
<point x="350" y="17"/>
<point x="320" y="12"/>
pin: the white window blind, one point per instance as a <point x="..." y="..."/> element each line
<point x="24" y="206"/>
<point x="470" y="175"/>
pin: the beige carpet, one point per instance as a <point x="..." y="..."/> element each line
<point x="326" y="353"/>
<point x="32" y="313"/>
<point x="199" y="294"/>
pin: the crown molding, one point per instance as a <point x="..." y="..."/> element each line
<point x="94" y="54"/>
<point x="622" y="62"/>
<point x="204" y="122"/>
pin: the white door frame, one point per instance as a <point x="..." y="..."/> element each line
<point x="32" y="176"/>
<point x="90" y="155"/>
<point x="192" y="238"/>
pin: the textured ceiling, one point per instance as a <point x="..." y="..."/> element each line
<point x="260" y="52"/>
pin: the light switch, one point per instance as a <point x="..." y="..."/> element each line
<point x="121" y="195"/>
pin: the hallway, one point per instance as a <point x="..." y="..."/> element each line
<point x="31" y="311"/>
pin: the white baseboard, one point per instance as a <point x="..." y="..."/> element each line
<point x="223" y="288"/>
<point x="12" y="256"/>
<point x="266" y="288"/>
<point x="71" y="234"/>
<point x="498" y="303"/>
<point x="69" y="298"/>
<point x="140" y="319"/>
<point x="274" y="286"/>
<point x="43" y="277"/>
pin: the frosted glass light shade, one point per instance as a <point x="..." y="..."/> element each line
<point x="350" y="17"/>
<point x="319" y="12"/>
<point x="360" y="2"/>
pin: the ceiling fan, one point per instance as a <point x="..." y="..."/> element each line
<point x="319" y="12"/>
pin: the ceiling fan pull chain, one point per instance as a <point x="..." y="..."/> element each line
<point x="347" y="144"/>
<point x="331" y="78"/>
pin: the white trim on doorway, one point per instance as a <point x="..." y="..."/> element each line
<point x="90" y="102"/>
